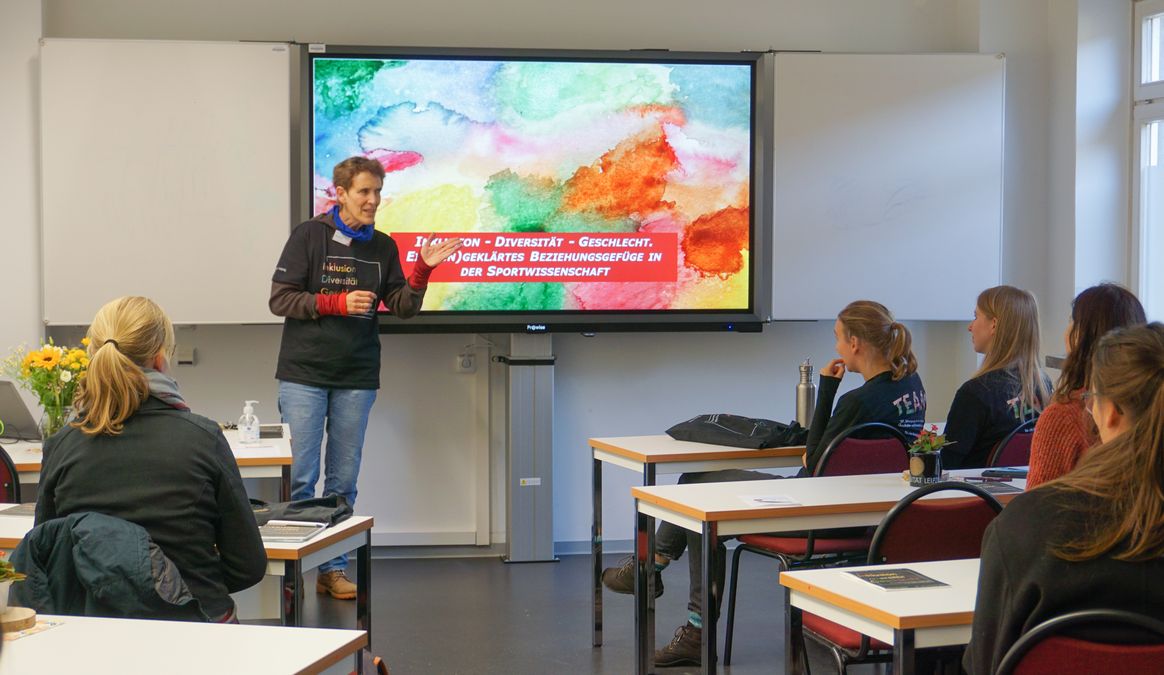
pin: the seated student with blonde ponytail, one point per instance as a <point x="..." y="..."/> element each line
<point x="137" y="453"/>
<point x="1009" y="387"/>
<point x="870" y="343"/>
<point x="1065" y="430"/>
<point x="1094" y="538"/>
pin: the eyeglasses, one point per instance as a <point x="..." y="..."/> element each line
<point x="1088" y="398"/>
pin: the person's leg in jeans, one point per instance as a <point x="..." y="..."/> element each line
<point x="347" y="420"/>
<point x="684" y="649"/>
<point x="304" y="409"/>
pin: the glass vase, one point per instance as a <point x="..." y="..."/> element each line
<point x="53" y="419"/>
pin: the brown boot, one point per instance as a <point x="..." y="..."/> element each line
<point x="337" y="584"/>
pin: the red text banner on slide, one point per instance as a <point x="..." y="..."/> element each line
<point x="550" y="257"/>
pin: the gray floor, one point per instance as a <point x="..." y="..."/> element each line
<point x="477" y="615"/>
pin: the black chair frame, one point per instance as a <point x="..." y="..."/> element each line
<point x="1024" y="428"/>
<point x="1058" y="624"/>
<point x="844" y="658"/>
<point x="804" y="560"/>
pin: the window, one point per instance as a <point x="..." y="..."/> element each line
<point x="1148" y="151"/>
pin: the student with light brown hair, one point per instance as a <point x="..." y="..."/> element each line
<point x="1093" y="538"/>
<point x="869" y="342"/>
<point x="1009" y="387"/>
<point x="138" y="453"/>
<point x="1065" y="430"/>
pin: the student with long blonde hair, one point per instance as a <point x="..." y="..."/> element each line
<point x="1065" y="430"/>
<point x="139" y="454"/>
<point x="1093" y="538"/>
<point x="1009" y="387"/>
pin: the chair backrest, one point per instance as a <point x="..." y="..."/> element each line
<point x="1043" y="650"/>
<point x="920" y="531"/>
<point x="9" y="479"/>
<point x="1015" y="448"/>
<point x="873" y="447"/>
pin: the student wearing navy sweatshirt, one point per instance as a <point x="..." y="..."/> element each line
<point x="870" y="343"/>
<point x="1009" y="387"/>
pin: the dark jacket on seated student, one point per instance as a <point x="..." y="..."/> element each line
<point x="1009" y="387"/>
<point x="111" y="568"/>
<point x="901" y="403"/>
<point x="1022" y="583"/>
<point x="985" y="409"/>
<point x="173" y="473"/>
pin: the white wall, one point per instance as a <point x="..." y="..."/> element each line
<point x="419" y="478"/>
<point x="20" y="29"/>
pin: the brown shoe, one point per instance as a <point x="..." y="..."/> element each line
<point x="337" y="584"/>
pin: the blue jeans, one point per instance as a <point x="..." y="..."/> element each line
<point x="344" y="413"/>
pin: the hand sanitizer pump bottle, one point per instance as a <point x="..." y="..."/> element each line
<point x="248" y="424"/>
<point x="805" y="395"/>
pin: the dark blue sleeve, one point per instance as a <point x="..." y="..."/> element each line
<point x="968" y="416"/>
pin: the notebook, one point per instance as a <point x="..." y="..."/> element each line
<point x="18" y="422"/>
<point x="290" y="531"/>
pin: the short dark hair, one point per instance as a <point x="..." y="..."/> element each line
<point x="346" y="171"/>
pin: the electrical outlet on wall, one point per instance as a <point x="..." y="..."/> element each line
<point x="466" y="362"/>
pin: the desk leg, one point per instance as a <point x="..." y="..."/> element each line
<point x="708" y="595"/>
<point x="793" y="637"/>
<point x="285" y="484"/>
<point x="644" y="592"/>
<point x="903" y="652"/>
<point x="364" y="592"/>
<point x="293" y="584"/>
<point x="596" y="548"/>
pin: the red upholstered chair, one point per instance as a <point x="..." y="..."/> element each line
<point x="912" y="531"/>
<point x="868" y="448"/>
<point x="9" y="480"/>
<point x="1042" y="650"/>
<point x="1015" y="448"/>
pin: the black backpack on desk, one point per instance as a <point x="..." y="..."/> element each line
<point x="738" y="432"/>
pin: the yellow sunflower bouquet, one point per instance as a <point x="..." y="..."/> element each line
<point x="52" y="373"/>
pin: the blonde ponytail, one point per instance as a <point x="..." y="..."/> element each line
<point x="126" y="335"/>
<point x="872" y="323"/>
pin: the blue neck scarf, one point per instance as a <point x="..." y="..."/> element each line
<point x="362" y="234"/>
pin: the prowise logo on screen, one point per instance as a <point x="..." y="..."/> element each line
<point x="535" y="328"/>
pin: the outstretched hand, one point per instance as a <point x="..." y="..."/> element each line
<point x="435" y="254"/>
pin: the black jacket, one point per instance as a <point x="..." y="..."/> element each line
<point x="172" y="472"/>
<point x="1022" y="583"/>
<point x="94" y="565"/>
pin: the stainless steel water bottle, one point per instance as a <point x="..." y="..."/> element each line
<point x="805" y="395"/>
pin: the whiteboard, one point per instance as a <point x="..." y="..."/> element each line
<point x="166" y="172"/>
<point x="887" y="181"/>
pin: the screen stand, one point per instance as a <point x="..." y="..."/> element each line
<point x="530" y="456"/>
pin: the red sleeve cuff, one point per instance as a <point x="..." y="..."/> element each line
<point x="420" y="272"/>
<point x="331" y="304"/>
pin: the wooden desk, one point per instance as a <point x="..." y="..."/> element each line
<point x="270" y="458"/>
<point x="651" y="455"/>
<point x="718" y="509"/>
<point x="907" y="619"/>
<point x="285" y="560"/>
<point x="98" y="646"/>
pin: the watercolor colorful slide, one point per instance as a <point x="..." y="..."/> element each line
<point x="576" y="185"/>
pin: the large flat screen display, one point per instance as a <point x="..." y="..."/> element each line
<point x="593" y="190"/>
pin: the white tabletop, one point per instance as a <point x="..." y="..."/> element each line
<point x="127" y="646"/>
<point x="943" y="613"/>
<point x="834" y="501"/>
<point x="251" y="457"/>
<point x="668" y="454"/>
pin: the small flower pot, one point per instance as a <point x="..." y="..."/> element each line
<point x="925" y="468"/>
<point x="4" y="587"/>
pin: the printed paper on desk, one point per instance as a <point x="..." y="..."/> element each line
<point x="253" y="451"/>
<point x="769" y="500"/>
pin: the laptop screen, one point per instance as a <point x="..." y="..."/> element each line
<point x="18" y="421"/>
